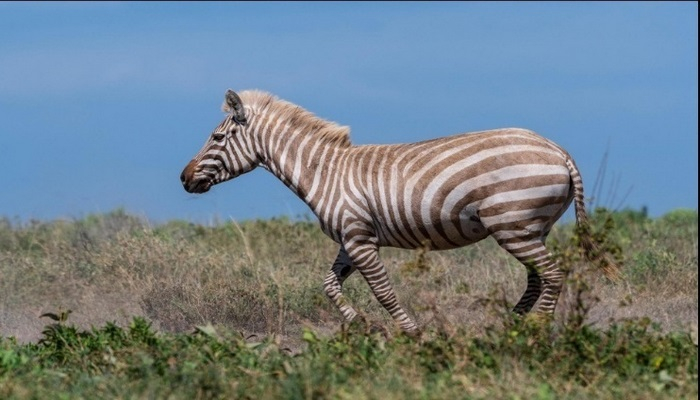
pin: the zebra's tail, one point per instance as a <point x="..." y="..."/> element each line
<point x="592" y="251"/>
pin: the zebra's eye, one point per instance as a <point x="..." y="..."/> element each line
<point x="218" y="136"/>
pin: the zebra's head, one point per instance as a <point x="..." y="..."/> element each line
<point x="226" y="154"/>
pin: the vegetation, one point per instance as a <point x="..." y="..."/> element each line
<point x="109" y="306"/>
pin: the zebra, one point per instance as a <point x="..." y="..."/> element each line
<point x="511" y="184"/>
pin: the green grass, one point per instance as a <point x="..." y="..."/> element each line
<point x="523" y="360"/>
<point x="236" y="310"/>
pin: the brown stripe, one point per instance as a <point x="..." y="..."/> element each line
<point x="527" y="204"/>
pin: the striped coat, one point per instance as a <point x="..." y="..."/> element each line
<point x="443" y="193"/>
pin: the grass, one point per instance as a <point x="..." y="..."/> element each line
<point x="236" y="310"/>
<point x="525" y="360"/>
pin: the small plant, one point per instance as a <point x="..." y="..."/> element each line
<point x="419" y="264"/>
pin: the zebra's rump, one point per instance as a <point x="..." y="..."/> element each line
<point x="450" y="192"/>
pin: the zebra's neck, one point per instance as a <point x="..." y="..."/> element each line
<point x="306" y="170"/>
<point x="303" y="153"/>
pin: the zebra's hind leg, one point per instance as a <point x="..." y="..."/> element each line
<point x="333" y="284"/>
<point x="532" y="292"/>
<point x="544" y="279"/>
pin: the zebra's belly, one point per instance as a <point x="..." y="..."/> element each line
<point x="434" y="244"/>
<point x="435" y="234"/>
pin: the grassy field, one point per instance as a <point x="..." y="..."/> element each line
<point x="236" y="310"/>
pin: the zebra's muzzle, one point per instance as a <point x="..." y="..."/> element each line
<point x="194" y="184"/>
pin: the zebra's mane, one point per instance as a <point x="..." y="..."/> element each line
<point x="265" y="103"/>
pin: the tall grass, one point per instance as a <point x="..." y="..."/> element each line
<point x="265" y="328"/>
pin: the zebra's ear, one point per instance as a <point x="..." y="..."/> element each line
<point x="234" y="105"/>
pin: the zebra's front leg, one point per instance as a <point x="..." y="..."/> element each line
<point x="365" y="257"/>
<point x="333" y="285"/>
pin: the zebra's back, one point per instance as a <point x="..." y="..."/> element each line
<point x="456" y="190"/>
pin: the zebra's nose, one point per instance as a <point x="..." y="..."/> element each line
<point x="188" y="173"/>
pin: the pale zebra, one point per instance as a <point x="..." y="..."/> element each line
<point x="443" y="193"/>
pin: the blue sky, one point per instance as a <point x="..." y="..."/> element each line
<point x="103" y="104"/>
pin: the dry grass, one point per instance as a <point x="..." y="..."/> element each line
<point x="265" y="277"/>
